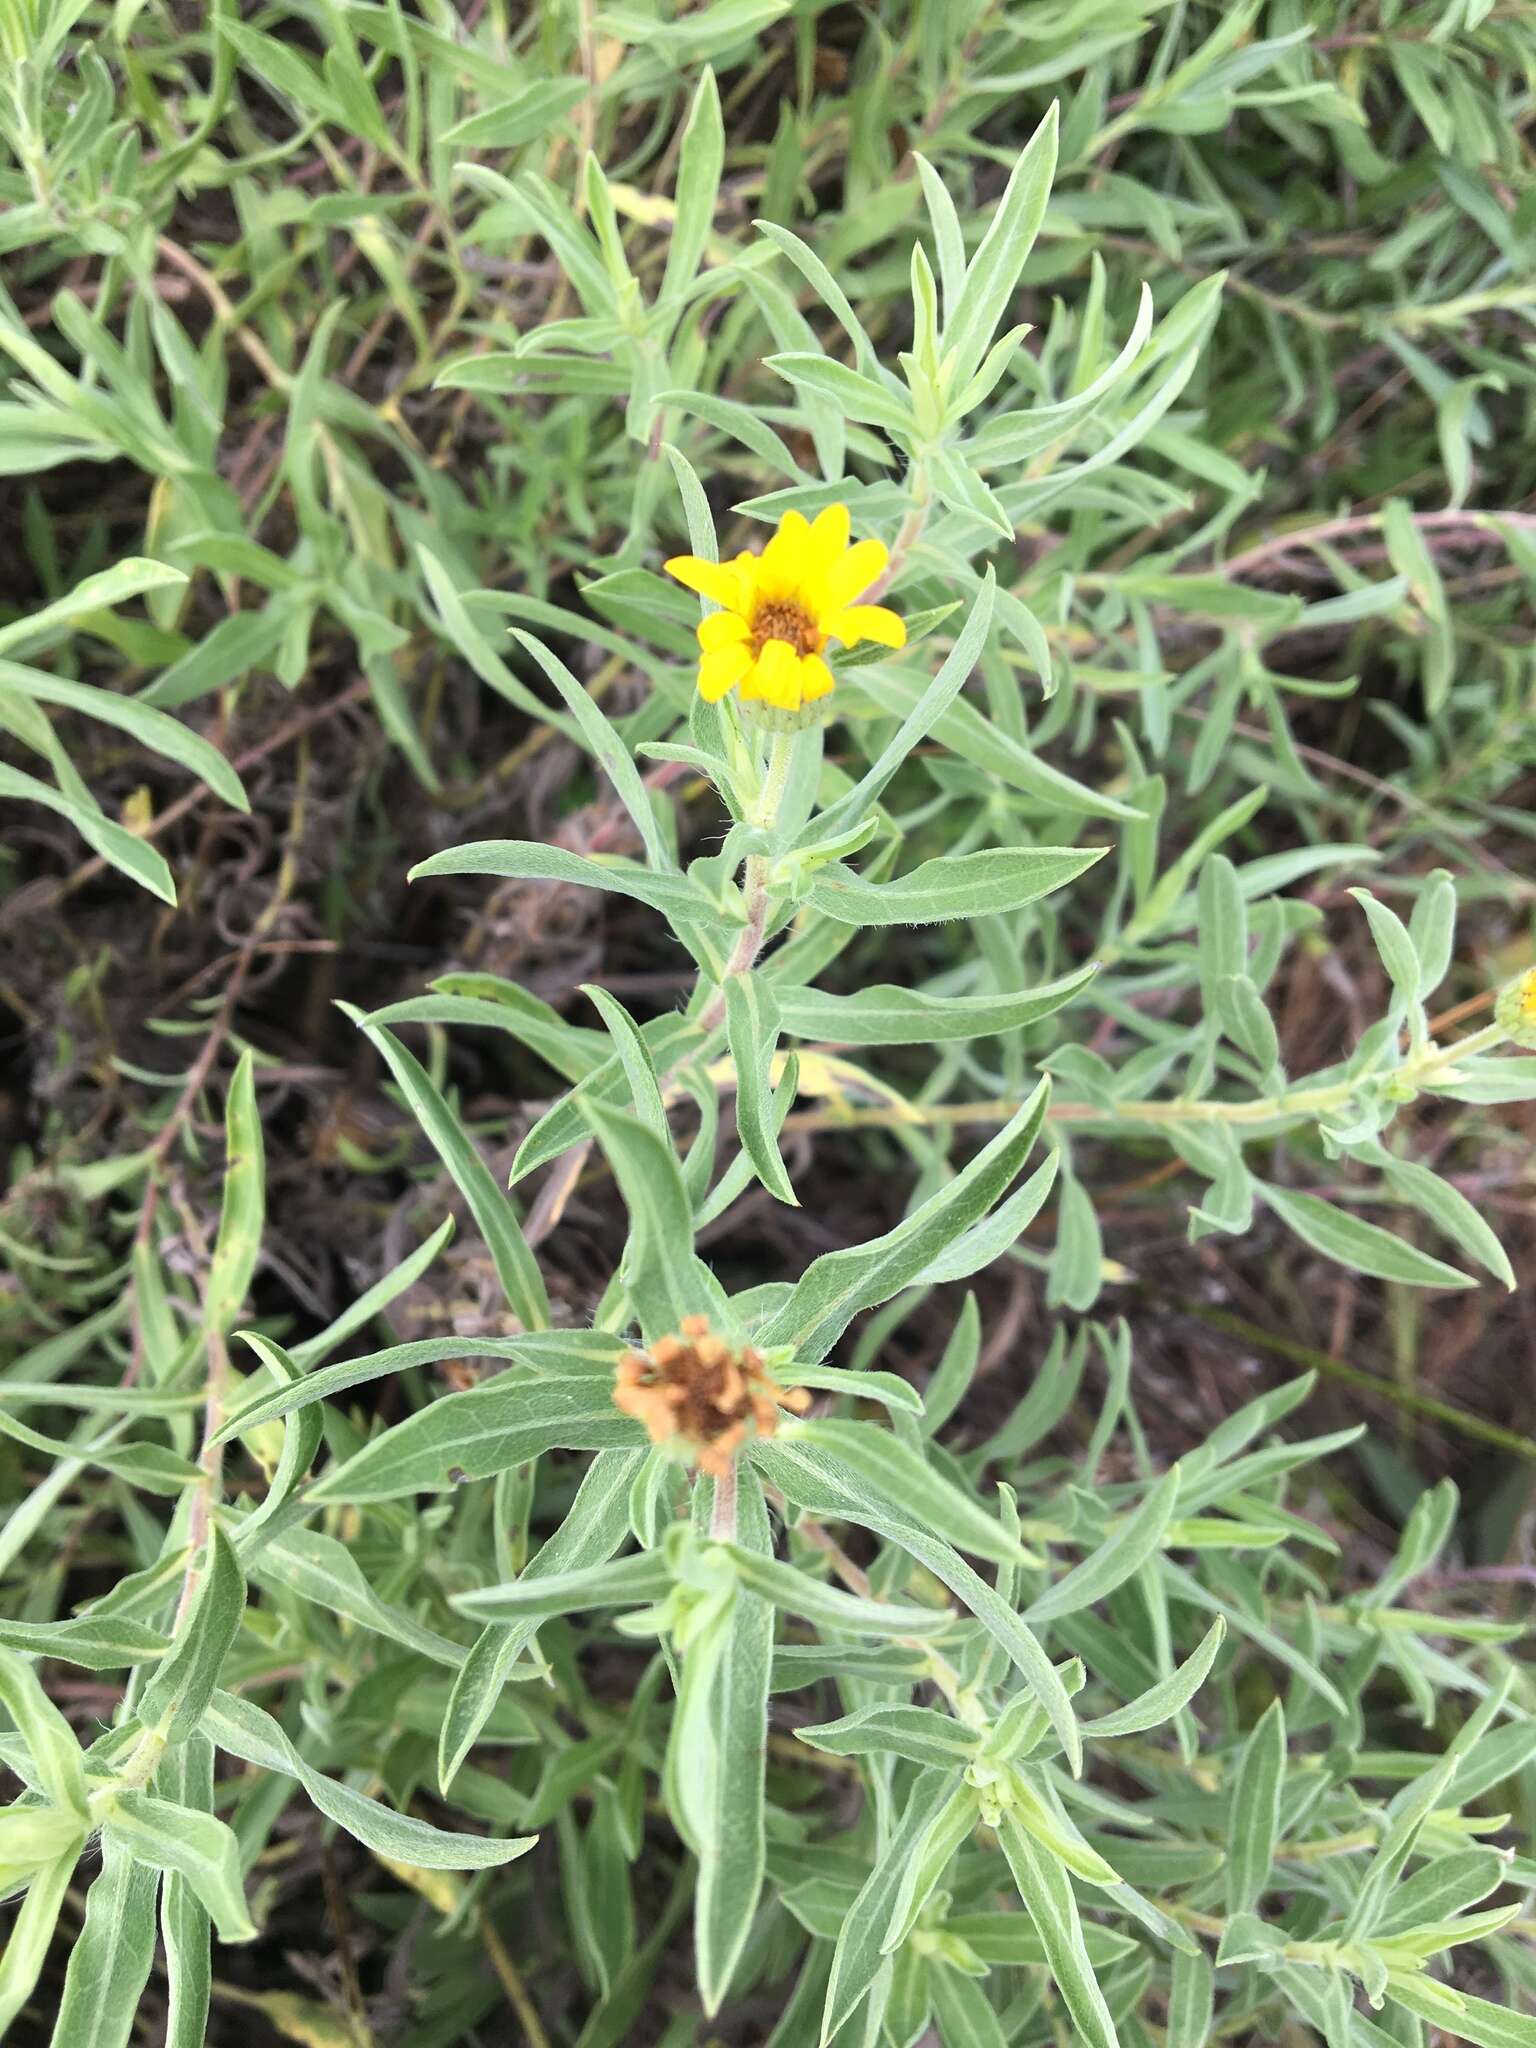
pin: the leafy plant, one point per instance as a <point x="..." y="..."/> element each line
<point x="934" y="1715"/>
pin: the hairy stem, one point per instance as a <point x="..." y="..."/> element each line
<point x="722" y="1519"/>
<point x="1429" y="1063"/>
<point x="749" y="943"/>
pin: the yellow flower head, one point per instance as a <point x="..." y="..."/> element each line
<point x="780" y="608"/>
<point x="695" y="1392"/>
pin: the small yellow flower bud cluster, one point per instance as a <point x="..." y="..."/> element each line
<point x="693" y="1390"/>
<point x="1515" y="1011"/>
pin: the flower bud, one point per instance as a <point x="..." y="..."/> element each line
<point x="1515" y="1011"/>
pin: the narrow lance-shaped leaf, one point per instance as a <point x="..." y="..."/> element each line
<point x="948" y="235"/>
<point x="888" y="1015"/>
<point x="678" y="899"/>
<point x="826" y="288"/>
<point x="1254" y="1819"/>
<point x="1432" y="929"/>
<point x="321" y="1570"/>
<point x="477" y="1433"/>
<point x="698" y="184"/>
<point x="1218" y="1481"/>
<point x="965" y="731"/>
<point x="124" y="580"/>
<point x="1119" y="1557"/>
<point x="1364" y="1247"/>
<point x="662" y="1274"/>
<point x="1398" y="953"/>
<point x="861" y="1453"/>
<point x="995" y="1234"/>
<point x="1477" y="2020"/>
<point x="1159" y="1703"/>
<point x="31" y="1934"/>
<point x="471" y="642"/>
<point x="529" y="112"/>
<point x="373" y="1301"/>
<point x="694" y="1755"/>
<point x="960" y="2006"/>
<point x="1440" y="1889"/>
<point x="732" y="1853"/>
<point x="919" y="1734"/>
<point x="857" y="395"/>
<point x="109" y="1963"/>
<point x="807" y="1476"/>
<point x="115" y="843"/>
<point x="994" y="269"/>
<point x="153" y="729"/>
<point x="1013" y="437"/>
<point x="243" y="1210"/>
<point x="244" y="1730"/>
<point x="669" y="1039"/>
<point x="195" y="1846"/>
<point x="828" y="1607"/>
<point x="515" y="1264"/>
<point x="490" y="1002"/>
<point x="1406" y="1819"/>
<point x="623" y="1582"/>
<point x="105" y="1642"/>
<point x="557" y="1354"/>
<point x="835" y="1287"/>
<point x="186" y="1776"/>
<point x="869" y="1385"/>
<point x="951" y="1378"/>
<point x="954" y="885"/>
<point x="635" y="1058"/>
<point x="857" y="1959"/>
<point x="174" y="1700"/>
<point x="49" y="1738"/>
<point x="752" y="1030"/>
<point x="1046" y="1819"/>
<point x="596" y="1525"/>
<point x="1449" y="1210"/>
<point x="606" y="748"/>
<point x="151" y="1466"/>
<point x="1046" y="1891"/>
<point x="1191" y="1997"/>
<point x="1183" y="1585"/>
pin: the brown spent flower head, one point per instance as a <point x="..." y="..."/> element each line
<point x="693" y="1390"/>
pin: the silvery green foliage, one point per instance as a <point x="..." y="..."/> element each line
<point x="1108" y="1733"/>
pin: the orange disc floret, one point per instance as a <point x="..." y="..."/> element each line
<point x="695" y="1391"/>
<point x="778" y="610"/>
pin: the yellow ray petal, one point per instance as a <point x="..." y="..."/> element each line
<point x="778" y="675"/>
<point x="722" y="629"/>
<point x="720" y="581"/>
<point x="868" y="622"/>
<point x="849" y="578"/>
<point x="746" y="565"/>
<point x="722" y="668"/>
<point x="829" y="536"/>
<point x="815" y="678"/>
<point x="784" y="560"/>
